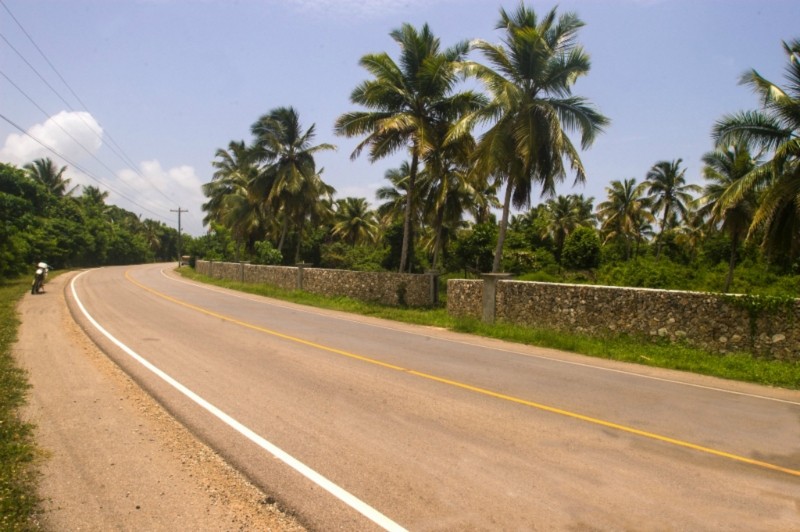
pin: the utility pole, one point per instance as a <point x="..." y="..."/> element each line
<point x="179" y="211"/>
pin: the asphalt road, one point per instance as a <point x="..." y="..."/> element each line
<point x="357" y="423"/>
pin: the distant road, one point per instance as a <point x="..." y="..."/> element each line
<point x="358" y="424"/>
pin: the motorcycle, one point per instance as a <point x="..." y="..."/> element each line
<point x="37" y="287"/>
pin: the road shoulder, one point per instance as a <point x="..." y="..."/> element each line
<point x="113" y="458"/>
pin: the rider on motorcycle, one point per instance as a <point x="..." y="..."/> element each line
<point x="38" y="279"/>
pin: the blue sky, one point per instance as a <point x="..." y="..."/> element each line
<point x="165" y="83"/>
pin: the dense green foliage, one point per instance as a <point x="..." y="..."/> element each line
<point x="18" y="474"/>
<point x="738" y="232"/>
<point x="40" y="223"/>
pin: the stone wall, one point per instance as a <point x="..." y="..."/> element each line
<point x="719" y="323"/>
<point x="464" y="298"/>
<point x="413" y="290"/>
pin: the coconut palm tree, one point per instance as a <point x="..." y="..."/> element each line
<point x="532" y="108"/>
<point x="354" y="221"/>
<point x="234" y="200"/>
<point x="669" y="194"/>
<point x="564" y="214"/>
<point x="775" y="129"/>
<point x="619" y="213"/>
<point x="46" y="172"/>
<point x="393" y="196"/>
<point x="289" y="178"/>
<point x="446" y="184"/>
<point x="726" y="168"/>
<point x="405" y="100"/>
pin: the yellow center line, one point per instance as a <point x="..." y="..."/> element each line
<point x="475" y="389"/>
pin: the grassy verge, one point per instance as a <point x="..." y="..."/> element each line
<point x="734" y="366"/>
<point x="18" y="475"/>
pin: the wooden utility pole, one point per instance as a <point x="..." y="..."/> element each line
<point x="179" y="211"/>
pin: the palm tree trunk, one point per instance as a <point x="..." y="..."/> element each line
<point x="731" y="264"/>
<point x="284" y="230"/>
<point x="501" y="236"/>
<point x="438" y="241"/>
<point x="412" y="177"/>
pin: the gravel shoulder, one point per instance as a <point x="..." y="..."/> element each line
<point x="113" y="459"/>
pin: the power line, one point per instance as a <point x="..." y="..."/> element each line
<point x="118" y="151"/>
<point x="46" y="114"/>
<point x="76" y="165"/>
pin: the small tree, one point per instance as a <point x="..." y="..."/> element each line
<point x="582" y="249"/>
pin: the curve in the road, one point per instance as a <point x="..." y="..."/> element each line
<point x="483" y="391"/>
<point x="354" y="502"/>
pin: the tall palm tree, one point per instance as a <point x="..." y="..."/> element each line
<point x="46" y="172"/>
<point x="394" y="195"/>
<point x="669" y="194"/>
<point x="289" y="179"/>
<point x="564" y="214"/>
<point x="233" y="198"/>
<point x="355" y="222"/>
<point x="405" y="100"/>
<point x="776" y="130"/>
<point x="620" y="212"/>
<point x="447" y="183"/>
<point x="726" y="169"/>
<point x="532" y="108"/>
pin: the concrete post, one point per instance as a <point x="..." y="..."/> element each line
<point x="490" y="294"/>
<point x="434" y="279"/>
<point x="300" y="267"/>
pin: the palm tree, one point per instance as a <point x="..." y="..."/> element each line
<point x="405" y="101"/>
<point x="669" y="194"/>
<point x="45" y="171"/>
<point x="532" y="108"/>
<point x="619" y="213"/>
<point x="564" y="214"/>
<point x="776" y="130"/>
<point x="290" y="179"/>
<point x="234" y="200"/>
<point x="446" y="183"/>
<point x="355" y="222"/>
<point x="394" y="195"/>
<point x="726" y="169"/>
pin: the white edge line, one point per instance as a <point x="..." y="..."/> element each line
<point x="499" y="349"/>
<point x="343" y="495"/>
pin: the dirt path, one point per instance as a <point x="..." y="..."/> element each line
<point x="115" y="460"/>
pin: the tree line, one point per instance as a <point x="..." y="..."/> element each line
<point x="437" y="211"/>
<point x="42" y="218"/>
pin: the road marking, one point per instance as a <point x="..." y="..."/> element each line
<point x="475" y="389"/>
<point x="351" y="500"/>
<point x="259" y="299"/>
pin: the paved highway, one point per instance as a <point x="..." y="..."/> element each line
<point x="359" y="424"/>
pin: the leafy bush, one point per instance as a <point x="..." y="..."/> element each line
<point x="581" y="249"/>
<point x="359" y="258"/>
<point x="265" y="253"/>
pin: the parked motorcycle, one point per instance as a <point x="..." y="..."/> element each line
<point x="37" y="287"/>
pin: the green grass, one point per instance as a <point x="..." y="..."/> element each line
<point x="735" y="366"/>
<point x="19" y="502"/>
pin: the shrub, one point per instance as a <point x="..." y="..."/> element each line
<point x="581" y="249"/>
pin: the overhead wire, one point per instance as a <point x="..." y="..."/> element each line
<point x="64" y="130"/>
<point x="113" y="146"/>
<point x="89" y="174"/>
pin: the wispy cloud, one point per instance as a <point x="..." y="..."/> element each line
<point x="75" y="135"/>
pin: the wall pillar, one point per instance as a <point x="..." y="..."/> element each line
<point x="300" y="267"/>
<point x="434" y="280"/>
<point x="490" y="294"/>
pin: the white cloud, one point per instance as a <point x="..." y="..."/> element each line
<point x="73" y="134"/>
<point x="161" y="190"/>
